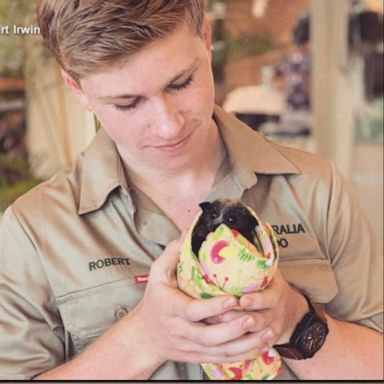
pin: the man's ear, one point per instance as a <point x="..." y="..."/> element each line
<point x="207" y="33"/>
<point x="74" y="86"/>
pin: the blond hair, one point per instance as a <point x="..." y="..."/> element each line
<point x="90" y="35"/>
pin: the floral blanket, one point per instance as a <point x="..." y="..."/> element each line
<point x="229" y="264"/>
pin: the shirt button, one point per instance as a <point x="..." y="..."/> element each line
<point x="120" y="313"/>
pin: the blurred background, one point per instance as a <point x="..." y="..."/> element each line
<point x="305" y="73"/>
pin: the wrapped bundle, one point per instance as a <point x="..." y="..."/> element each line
<point x="227" y="262"/>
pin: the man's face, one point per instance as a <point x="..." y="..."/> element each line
<point x="157" y="106"/>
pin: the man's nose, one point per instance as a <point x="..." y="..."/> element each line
<point x="168" y="120"/>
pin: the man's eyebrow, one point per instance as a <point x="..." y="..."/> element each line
<point x="129" y="96"/>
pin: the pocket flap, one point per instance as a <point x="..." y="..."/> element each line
<point x="90" y="312"/>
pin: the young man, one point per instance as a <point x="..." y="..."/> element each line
<point x="75" y="250"/>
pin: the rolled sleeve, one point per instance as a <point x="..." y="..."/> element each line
<point x="31" y="334"/>
<point x="356" y="259"/>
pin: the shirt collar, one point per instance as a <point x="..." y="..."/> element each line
<point x="249" y="149"/>
<point x="249" y="153"/>
<point x="102" y="172"/>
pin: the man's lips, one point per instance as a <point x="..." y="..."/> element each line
<point x="174" y="144"/>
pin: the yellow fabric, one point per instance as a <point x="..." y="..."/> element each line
<point x="229" y="264"/>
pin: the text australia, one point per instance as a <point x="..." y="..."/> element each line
<point x="287" y="229"/>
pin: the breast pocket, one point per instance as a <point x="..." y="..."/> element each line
<point x="86" y="315"/>
<point x="313" y="277"/>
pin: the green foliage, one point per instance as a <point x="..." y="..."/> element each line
<point x="10" y="193"/>
<point x="14" y="12"/>
<point x="229" y="47"/>
<point x="246" y="45"/>
<point x="15" y="179"/>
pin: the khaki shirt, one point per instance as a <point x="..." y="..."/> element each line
<point x="73" y="249"/>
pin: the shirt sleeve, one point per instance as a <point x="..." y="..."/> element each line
<point x="356" y="259"/>
<point x="31" y="333"/>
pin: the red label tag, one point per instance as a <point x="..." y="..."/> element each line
<point x="141" y="279"/>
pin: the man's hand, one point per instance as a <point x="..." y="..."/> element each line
<point x="171" y="325"/>
<point x="276" y="311"/>
<point x="165" y="325"/>
<point x="279" y="307"/>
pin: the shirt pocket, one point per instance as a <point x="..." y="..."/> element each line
<point x="87" y="314"/>
<point x="313" y="277"/>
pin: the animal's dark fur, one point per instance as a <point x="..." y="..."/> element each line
<point x="233" y="213"/>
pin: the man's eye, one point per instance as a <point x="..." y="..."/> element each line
<point x="183" y="85"/>
<point x="127" y="106"/>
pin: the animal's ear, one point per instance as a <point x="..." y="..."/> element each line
<point x="206" y="206"/>
<point x="254" y="222"/>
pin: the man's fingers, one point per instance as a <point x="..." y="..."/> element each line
<point x="216" y="334"/>
<point x="245" y="347"/>
<point x="198" y="310"/>
<point x="262" y="318"/>
<point x="266" y="299"/>
<point x="252" y="343"/>
<point x="166" y="264"/>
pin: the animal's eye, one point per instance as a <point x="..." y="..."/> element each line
<point x="231" y="219"/>
<point x="214" y="215"/>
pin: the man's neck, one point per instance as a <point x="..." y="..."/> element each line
<point x="202" y="168"/>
